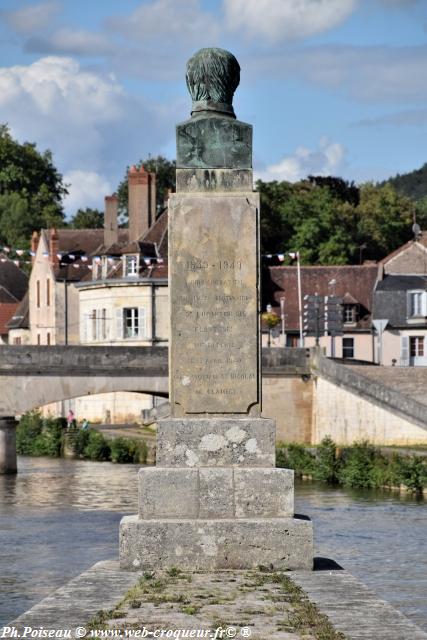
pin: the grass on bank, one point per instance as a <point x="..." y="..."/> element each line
<point x="361" y="465"/>
<point x="40" y="436"/>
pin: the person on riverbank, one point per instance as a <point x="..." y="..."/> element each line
<point x="70" y="419"/>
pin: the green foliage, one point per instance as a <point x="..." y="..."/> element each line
<point x="326" y="466"/>
<point x="87" y="219"/>
<point x="360" y="465"/>
<point x="80" y="442"/>
<point x="124" y="450"/>
<point x="295" y="456"/>
<point x="165" y="179"/>
<point x="328" y="219"/>
<point x="38" y="436"/>
<point x="357" y="466"/>
<point x="98" y="447"/>
<point x="31" y="190"/>
<point x="412" y="184"/>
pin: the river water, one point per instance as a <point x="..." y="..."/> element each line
<point x="58" y="517"/>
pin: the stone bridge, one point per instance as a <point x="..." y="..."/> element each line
<point x="310" y="396"/>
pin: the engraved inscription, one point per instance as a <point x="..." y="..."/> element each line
<point x="214" y="305"/>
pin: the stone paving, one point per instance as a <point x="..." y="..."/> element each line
<point x="237" y="601"/>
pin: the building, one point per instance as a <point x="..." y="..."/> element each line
<point x="104" y="286"/>
<point x="353" y="284"/>
<point x="13" y="288"/>
<point x="400" y="305"/>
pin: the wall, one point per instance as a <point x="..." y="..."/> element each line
<point x="289" y="401"/>
<point x="113" y="298"/>
<point x="412" y="260"/>
<point x="348" y="417"/>
<point x="115" y="408"/>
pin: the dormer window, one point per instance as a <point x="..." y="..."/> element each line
<point x="131" y="265"/>
<point x="415" y="303"/>
<point x="104" y="266"/>
<point x="349" y="313"/>
<point x="416" y="306"/>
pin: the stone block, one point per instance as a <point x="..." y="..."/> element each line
<point x="215" y="492"/>
<point x="263" y="493"/>
<point x="168" y="493"/>
<point x="216" y="442"/>
<point x="210" y="545"/>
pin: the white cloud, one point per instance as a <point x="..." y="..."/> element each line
<point x="326" y="160"/>
<point x="71" y="42"/>
<point x="32" y="18"/>
<point x="170" y="23"/>
<point x="86" y="119"/>
<point x="369" y="74"/>
<point x="86" y="189"/>
<point x="276" y="20"/>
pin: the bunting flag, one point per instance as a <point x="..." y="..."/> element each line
<point x="77" y="261"/>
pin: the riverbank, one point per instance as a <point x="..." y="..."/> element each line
<point x="360" y="465"/>
<point x="325" y="604"/>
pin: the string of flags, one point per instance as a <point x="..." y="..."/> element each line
<point x="87" y="261"/>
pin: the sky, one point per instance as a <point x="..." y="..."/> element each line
<point x="331" y="87"/>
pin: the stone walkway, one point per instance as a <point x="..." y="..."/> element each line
<point x="243" y="604"/>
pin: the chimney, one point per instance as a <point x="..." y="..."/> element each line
<point x="142" y="201"/>
<point x="34" y="244"/>
<point x="54" y="248"/>
<point x="111" y="232"/>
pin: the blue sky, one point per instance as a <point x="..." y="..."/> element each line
<point x="331" y="86"/>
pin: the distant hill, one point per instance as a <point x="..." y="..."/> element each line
<point x="412" y="184"/>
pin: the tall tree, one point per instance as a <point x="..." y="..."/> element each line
<point x="31" y="190"/>
<point x="165" y="180"/>
<point x="87" y="219"/>
<point x="331" y="221"/>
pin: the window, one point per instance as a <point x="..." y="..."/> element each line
<point x="131" y="323"/>
<point x="17" y="341"/>
<point x="48" y="338"/>
<point x="38" y="294"/>
<point x="48" y="292"/>
<point x="348" y="347"/>
<point x="131" y="265"/>
<point x="416" y="346"/>
<point x="349" y="313"/>
<point x="38" y="339"/>
<point x="415" y="303"/>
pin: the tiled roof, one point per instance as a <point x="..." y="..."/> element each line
<point x="351" y="280"/>
<point x="158" y="234"/>
<point x="7" y="310"/>
<point x="12" y="279"/>
<point x="21" y="317"/>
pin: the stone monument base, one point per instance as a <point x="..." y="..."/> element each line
<point x="215" y="500"/>
<point x="213" y="545"/>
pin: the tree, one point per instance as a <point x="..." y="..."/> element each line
<point x="165" y="180"/>
<point x="31" y="190"/>
<point x="328" y="220"/>
<point x="384" y="219"/>
<point x="87" y="219"/>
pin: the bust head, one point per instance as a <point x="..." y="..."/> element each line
<point x="213" y="76"/>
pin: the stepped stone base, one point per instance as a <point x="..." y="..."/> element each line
<point x="211" y="545"/>
<point x="215" y="492"/>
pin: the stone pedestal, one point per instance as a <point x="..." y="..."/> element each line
<point x="216" y="501"/>
<point x="8" y="445"/>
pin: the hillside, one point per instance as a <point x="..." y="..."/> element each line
<point x="412" y="184"/>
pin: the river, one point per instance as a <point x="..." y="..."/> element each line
<point x="58" y="517"/>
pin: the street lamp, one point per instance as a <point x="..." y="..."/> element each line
<point x="295" y="256"/>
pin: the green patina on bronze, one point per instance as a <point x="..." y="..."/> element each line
<point x="213" y="138"/>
